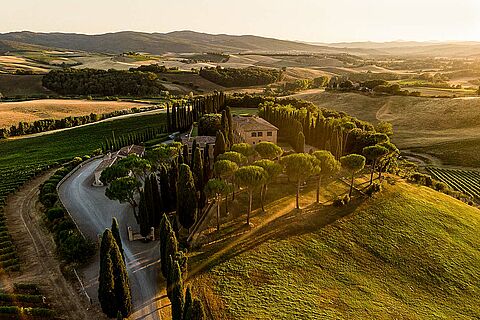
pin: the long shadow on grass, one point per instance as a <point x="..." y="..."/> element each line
<point x="239" y="238"/>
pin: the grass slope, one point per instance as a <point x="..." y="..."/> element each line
<point x="410" y="253"/>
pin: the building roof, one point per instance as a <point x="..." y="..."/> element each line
<point x="106" y="162"/>
<point x="133" y="149"/>
<point x="201" y="140"/>
<point x="252" y="123"/>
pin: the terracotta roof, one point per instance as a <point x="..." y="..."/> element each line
<point x="252" y="123"/>
<point x="107" y="162"/>
<point x="201" y="140"/>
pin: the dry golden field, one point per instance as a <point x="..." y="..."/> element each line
<point x="29" y="111"/>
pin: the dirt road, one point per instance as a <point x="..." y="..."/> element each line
<point x="93" y="212"/>
<point x="36" y="250"/>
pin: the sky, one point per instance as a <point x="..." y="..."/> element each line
<point x="301" y="20"/>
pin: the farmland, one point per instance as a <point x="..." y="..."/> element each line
<point x="11" y="113"/>
<point x="467" y="181"/>
<point x="25" y="301"/>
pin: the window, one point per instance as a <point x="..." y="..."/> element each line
<point x="269" y="133"/>
<point x="254" y="134"/>
<point x="260" y="134"/>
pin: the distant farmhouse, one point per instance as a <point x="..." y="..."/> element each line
<point x="253" y="129"/>
<point x="111" y="158"/>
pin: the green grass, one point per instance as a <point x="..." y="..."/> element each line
<point x="463" y="152"/>
<point x="410" y="253"/>
<point x="241" y="111"/>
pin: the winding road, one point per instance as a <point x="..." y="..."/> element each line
<point x="93" y="212"/>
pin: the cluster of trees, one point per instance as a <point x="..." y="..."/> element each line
<point x="298" y="85"/>
<point x="183" y="114"/>
<point x="113" y="285"/>
<point x="118" y="142"/>
<point x="71" y="244"/>
<point x="233" y="77"/>
<point x="173" y="264"/>
<point x="102" y="82"/>
<point x="369" y="85"/>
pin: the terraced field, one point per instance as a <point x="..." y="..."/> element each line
<point x="467" y="181"/>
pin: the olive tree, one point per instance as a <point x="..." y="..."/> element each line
<point x="352" y="163"/>
<point x="251" y="178"/>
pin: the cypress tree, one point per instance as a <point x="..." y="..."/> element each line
<point x="188" y="304"/>
<point x="220" y="145"/>
<point x="186" y="197"/>
<point x="116" y="236"/>
<point x="225" y="128"/>
<point x="194" y="148"/>
<point x="177" y="296"/>
<point x="230" y="124"/>
<point x="122" y="287"/>
<point x="198" y="176"/>
<point x="157" y="200"/>
<point x="168" y="245"/>
<point x="143" y="215"/>
<point x="106" y="282"/>
<point x="149" y="201"/>
<point x="196" y="311"/>
<point x="185" y="154"/>
<point x="300" y="145"/>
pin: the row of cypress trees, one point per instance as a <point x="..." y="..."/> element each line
<point x="181" y="115"/>
<point x="114" y="288"/>
<point x="116" y="143"/>
<point x="173" y="267"/>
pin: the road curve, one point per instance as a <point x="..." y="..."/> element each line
<point x="93" y="212"/>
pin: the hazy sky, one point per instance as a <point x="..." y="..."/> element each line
<point x="307" y="20"/>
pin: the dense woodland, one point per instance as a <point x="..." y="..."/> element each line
<point x="102" y="82"/>
<point x="233" y="77"/>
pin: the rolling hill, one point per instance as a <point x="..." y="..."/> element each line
<point x="160" y="43"/>
<point x="408" y="253"/>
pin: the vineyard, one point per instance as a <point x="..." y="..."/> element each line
<point x="467" y="181"/>
<point x="25" y="302"/>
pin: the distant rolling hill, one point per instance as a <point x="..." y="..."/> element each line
<point x="159" y="43"/>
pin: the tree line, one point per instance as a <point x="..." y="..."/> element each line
<point x="44" y="125"/>
<point x="236" y="77"/>
<point x="102" y="82"/>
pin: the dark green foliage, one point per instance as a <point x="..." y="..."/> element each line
<point x="186" y="197"/>
<point x="234" y="77"/>
<point x="228" y="115"/>
<point x="220" y="144"/>
<point x="188" y="303"/>
<point x="114" y="290"/>
<point x="225" y="128"/>
<point x="116" y="235"/>
<point x="175" y="287"/>
<point x="168" y="244"/>
<point x="143" y="216"/>
<point x="101" y="82"/>
<point x="198" y="177"/>
<point x="55" y="213"/>
<point x="209" y="124"/>
<point x="300" y="145"/>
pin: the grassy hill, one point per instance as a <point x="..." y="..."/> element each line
<point x="409" y="253"/>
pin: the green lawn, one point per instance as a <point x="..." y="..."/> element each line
<point x="240" y="111"/>
<point x="410" y="253"/>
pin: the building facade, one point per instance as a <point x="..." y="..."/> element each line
<point x="253" y="129"/>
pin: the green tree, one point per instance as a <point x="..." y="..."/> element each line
<point x="224" y="169"/>
<point x="228" y="114"/>
<point x="196" y="312"/>
<point x="122" y="286"/>
<point x="220" y="145"/>
<point x="234" y="156"/>
<point x="125" y="189"/>
<point x="353" y="163"/>
<point x="198" y="172"/>
<point x="252" y="178"/>
<point x="186" y="197"/>
<point x="175" y="283"/>
<point x="106" y="282"/>
<point x="116" y="236"/>
<point x="168" y="244"/>
<point x="217" y="188"/>
<point x="272" y="169"/>
<point x="300" y="143"/>
<point x="268" y="150"/>
<point x="244" y="148"/>
<point x="374" y="153"/>
<point x="188" y="303"/>
<point x="327" y="165"/>
<point x="298" y="167"/>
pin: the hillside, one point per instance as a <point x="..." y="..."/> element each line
<point x="409" y="253"/>
<point x="423" y="124"/>
<point x="159" y="43"/>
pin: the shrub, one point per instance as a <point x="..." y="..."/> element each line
<point x="49" y="199"/>
<point x="75" y="248"/>
<point x="55" y="213"/>
<point x="341" y="201"/>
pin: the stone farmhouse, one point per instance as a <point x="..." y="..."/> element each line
<point x="253" y="129"/>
